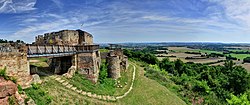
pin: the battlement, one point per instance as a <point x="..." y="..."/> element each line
<point x="65" y="37"/>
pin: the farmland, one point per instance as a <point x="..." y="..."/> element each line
<point x="174" y="53"/>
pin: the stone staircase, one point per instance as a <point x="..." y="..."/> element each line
<point x="93" y="95"/>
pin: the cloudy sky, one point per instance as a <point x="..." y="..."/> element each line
<point x="129" y="20"/>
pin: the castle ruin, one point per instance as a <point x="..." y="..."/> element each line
<point x="68" y="51"/>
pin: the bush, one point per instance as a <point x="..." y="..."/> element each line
<point x="246" y="60"/>
<point x="3" y="73"/>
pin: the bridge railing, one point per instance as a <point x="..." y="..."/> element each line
<point x="57" y="49"/>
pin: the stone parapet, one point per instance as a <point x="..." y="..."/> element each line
<point x="17" y="66"/>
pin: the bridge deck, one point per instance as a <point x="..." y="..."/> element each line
<point x="58" y="50"/>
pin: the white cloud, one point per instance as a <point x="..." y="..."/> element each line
<point x="58" y="3"/>
<point x="157" y="18"/>
<point x="17" y="6"/>
<point x="236" y="10"/>
<point x="30" y="20"/>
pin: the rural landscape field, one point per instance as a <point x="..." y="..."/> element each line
<point x="124" y="52"/>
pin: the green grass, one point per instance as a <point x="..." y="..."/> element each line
<point x="198" y="50"/>
<point x="145" y="91"/>
<point x="61" y="95"/>
<point x="42" y="62"/>
<point x="126" y="77"/>
<point x="103" y="50"/>
<point x="39" y="95"/>
<point x="208" y="51"/>
<point x="149" y="92"/>
<point x="242" y="50"/>
<point x="240" y="56"/>
<point x="106" y="88"/>
<point x="82" y="83"/>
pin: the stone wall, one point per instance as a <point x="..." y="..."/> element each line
<point x="89" y="65"/>
<point x="17" y="66"/>
<point x="65" y="37"/>
<point x="85" y="38"/>
<point x="117" y="62"/>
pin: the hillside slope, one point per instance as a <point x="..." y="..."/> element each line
<point x="147" y="91"/>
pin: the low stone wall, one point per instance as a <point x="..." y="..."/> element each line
<point x="17" y="66"/>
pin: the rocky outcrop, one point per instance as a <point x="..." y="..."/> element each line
<point x="9" y="89"/>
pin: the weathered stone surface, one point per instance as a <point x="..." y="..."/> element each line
<point x="73" y="88"/>
<point x="7" y="88"/>
<point x="84" y="93"/>
<point x="4" y="101"/>
<point x="70" y="72"/>
<point x="65" y="83"/>
<point x="65" y="37"/>
<point x="19" y="98"/>
<point x="31" y="102"/>
<point x="113" y="67"/>
<point x="116" y="63"/>
<point x="17" y="66"/>
<point x="89" y="65"/>
<point x="36" y="79"/>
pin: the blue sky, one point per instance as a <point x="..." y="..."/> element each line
<point x="129" y="20"/>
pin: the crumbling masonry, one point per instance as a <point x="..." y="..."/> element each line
<point x="116" y="62"/>
<point x="68" y="51"/>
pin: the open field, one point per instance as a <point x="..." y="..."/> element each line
<point x="185" y="49"/>
<point x="182" y="55"/>
<point x="240" y="56"/>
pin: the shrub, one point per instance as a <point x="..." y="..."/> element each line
<point x="3" y="73"/>
<point x="246" y="60"/>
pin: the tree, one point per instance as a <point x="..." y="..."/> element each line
<point x="246" y="60"/>
<point x="241" y="100"/>
<point x="178" y="64"/>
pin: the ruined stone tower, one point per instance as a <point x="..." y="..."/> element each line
<point x="114" y="67"/>
<point x="116" y="61"/>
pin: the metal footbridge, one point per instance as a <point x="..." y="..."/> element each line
<point x="58" y="50"/>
